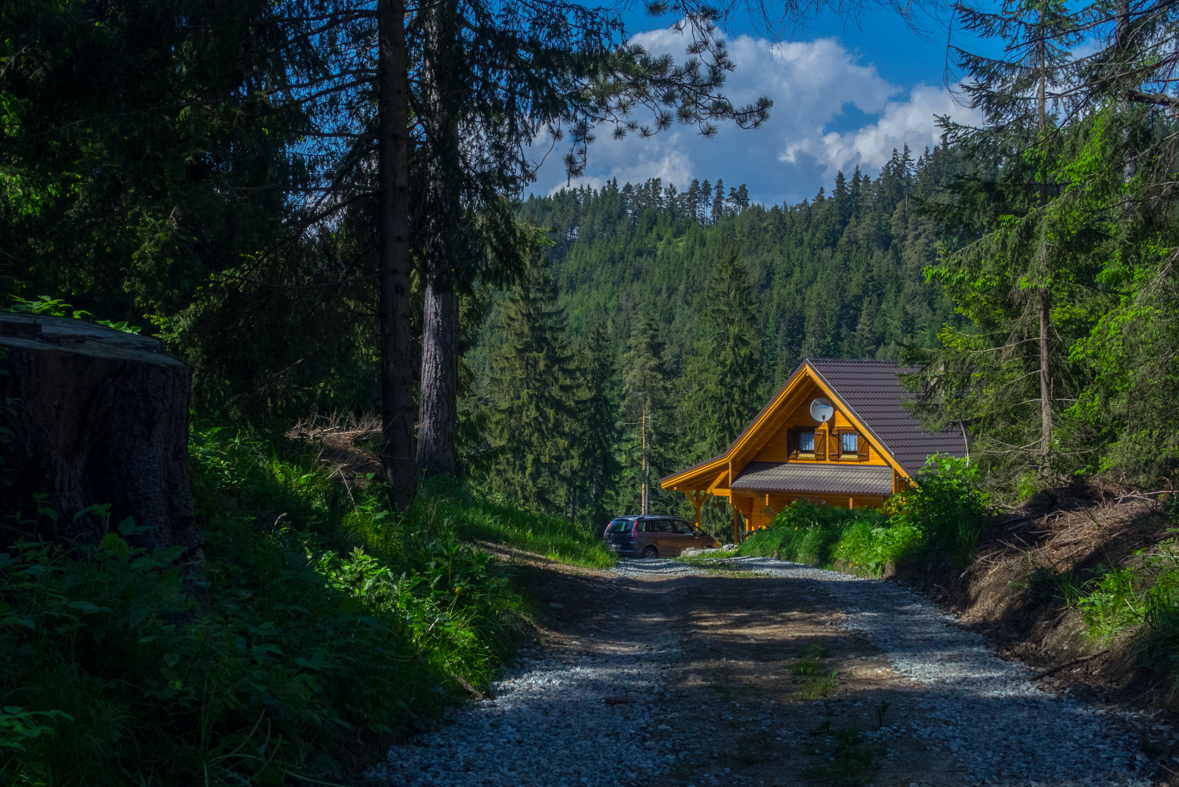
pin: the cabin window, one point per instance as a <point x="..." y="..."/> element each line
<point x="850" y="442"/>
<point x="806" y="442"/>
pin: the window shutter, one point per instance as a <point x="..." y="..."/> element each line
<point x="792" y="442"/>
<point x="835" y="450"/>
<point x="862" y="449"/>
<point x="820" y="445"/>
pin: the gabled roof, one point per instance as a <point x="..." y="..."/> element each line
<point x="871" y="392"/>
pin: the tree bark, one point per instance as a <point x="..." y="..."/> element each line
<point x="97" y="416"/>
<point x="1122" y="32"/>
<point x="440" y="318"/>
<point x="1045" y="304"/>
<point x="397" y="408"/>
<point x="439" y="399"/>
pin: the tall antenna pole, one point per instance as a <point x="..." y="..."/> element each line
<point x="646" y="463"/>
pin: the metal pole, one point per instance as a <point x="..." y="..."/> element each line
<point x="646" y="463"/>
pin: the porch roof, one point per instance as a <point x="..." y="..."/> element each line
<point x="816" y="478"/>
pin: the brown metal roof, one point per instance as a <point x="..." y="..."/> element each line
<point x="872" y="392"/>
<point x="800" y="477"/>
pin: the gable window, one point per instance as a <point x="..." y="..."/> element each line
<point x="850" y="443"/>
<point x="806" y="442"/>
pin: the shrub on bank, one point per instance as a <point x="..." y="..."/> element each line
<point x="942" y="516"/>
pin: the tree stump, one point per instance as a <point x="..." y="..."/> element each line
<point x="97" y="416"/>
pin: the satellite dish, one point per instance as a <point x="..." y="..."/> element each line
<point x="822" y="410"/>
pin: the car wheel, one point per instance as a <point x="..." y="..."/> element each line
<point x="650" y="552"/>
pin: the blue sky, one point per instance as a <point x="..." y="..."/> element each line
<point x="845" y="94"/>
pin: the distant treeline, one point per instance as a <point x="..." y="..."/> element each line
<point x="836" y="276"/>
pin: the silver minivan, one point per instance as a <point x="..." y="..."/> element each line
<point x="654" y="535"/>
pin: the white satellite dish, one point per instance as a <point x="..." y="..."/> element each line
<point x="822" y="410"/>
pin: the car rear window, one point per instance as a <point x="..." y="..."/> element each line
<point x="619" y="526"/>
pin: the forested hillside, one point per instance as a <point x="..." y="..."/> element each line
<point x="838" y="276"/>
<point x="697" y="304"/>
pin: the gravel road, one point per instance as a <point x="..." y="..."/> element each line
<point x="641" y="683"/>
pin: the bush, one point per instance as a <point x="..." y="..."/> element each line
<point x="823" y="536"/>
<point x="944" y="511"/>
<point x="312" y="623"/>
<point x="942" y="515"/>
<point x="143" y="685"/>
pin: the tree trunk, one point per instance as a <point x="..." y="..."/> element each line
<point x="397" y="409"/>
<point x="439" y="400"/>
<point x="1122" y="40"/>
<point x="1045" y="375"/>
<point x="1045" y="299"/>
<point x="440" y="319"/>
<point x="97" y="416"/>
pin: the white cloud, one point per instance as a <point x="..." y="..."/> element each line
<point x="795" y="152"/>
<point x="909" y="122"/>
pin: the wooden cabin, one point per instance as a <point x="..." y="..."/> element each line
<point x="837" y="433"/>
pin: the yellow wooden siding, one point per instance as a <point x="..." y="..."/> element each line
<point x="790" y="408"/>
<point x="777" y="449"/>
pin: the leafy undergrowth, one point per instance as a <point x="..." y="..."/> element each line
<point x="856" y="539"/>
<point x="1083" y="572"/>
<point x="315" y="625"/>
<point x="942" y="516"/>
<point x="477" y="516"/>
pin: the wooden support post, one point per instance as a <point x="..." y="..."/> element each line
<point x="697" y="497"/>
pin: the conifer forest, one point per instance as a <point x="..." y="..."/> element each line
<point x="387" y="344"/>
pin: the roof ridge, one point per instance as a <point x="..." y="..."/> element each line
<point x="855" y="360"/>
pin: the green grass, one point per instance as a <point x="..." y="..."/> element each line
<point x="819" y="688"/>
<point x="850" y="759"/>
<point x="476" y="516"/>
<point x="810" y="663"/>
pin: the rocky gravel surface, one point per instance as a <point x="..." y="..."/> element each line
<point x="585" y="718"/>
<point x="999" y="726"/>
<point x="561" y="720"/>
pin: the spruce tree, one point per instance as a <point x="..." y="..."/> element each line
<point x="724" y="384"/>
<point x="644" y="413"/>
<point x="1032" y="248"/>
<point x="531" y="424"/>
<point x="596" y="465"/>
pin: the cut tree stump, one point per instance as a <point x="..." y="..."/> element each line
<point x="97" y="416"/>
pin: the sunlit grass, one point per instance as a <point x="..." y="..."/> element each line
<point x="480" y="517"/>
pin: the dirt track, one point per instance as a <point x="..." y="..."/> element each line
<point x="734" y="702"/>
<point x="763" y="686"/>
